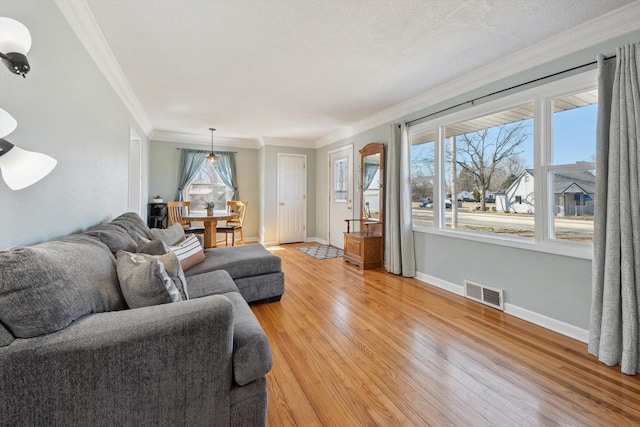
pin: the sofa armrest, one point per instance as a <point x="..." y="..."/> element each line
<point x="162" y="365"/>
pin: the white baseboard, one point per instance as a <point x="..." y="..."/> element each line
<point x="307" y="240"/>
<point x="316" y="240"/>
<point x="555" y="325"/>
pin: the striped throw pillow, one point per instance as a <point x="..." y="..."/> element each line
<point x="189" y="252"/>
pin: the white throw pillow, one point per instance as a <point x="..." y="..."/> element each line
<point x="189" y="252"/>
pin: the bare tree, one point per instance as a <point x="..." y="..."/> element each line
<point x="482" y="153"/>
<point x="423" y="160"/>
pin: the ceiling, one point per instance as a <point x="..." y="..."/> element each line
<point x="304" y="70"/>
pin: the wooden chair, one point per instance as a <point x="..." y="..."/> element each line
<point x="175" y="210"/>
<point x="232" y="226"/>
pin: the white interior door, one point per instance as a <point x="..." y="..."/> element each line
<point x="340" y="193"/>
<point x="292" y="198"/>
<point x="134" y="202"/>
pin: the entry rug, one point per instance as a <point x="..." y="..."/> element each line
<point x="321" y="252"/>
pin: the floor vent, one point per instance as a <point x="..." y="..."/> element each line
<point x="485" y="294"/>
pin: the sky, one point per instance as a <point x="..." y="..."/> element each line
<point x="574" y="138"/>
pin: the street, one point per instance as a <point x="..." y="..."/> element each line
<point x="508" y="223"/>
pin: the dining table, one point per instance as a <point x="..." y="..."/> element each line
<point x="210" y="224"/>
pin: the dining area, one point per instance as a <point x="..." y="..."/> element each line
<point x="227" y="222"/>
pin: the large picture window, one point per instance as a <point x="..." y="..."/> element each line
<point x="518" y="169"/>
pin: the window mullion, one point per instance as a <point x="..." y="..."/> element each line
<point x="542" y="153"/>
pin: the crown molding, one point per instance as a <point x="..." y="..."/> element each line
<point x="83" y="23"/>
<point x="617" y="23"/>
<point x="285" y="142"/>
<point x="219" y="141"/>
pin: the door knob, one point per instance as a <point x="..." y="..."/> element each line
<point x="281" y="203"/>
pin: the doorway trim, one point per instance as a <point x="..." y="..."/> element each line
<point x="134" y="195"/>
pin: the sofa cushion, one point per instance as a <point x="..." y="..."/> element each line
<point x="47" y="286"/>
<point x="6" y="337"/>
<point x="189" y="252"/>
<point x="133" y="225"/>
<point x="212" y="283"/>
<point x="251" y="349"/>
<point x="256" y="288"/>
<point x="116" y="238"/>
<point x="152" y="247"/>
<point x="146" y="280"/>
<point x="239" y="261"/>
<point x="171" y="236"/>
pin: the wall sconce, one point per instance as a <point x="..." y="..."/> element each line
<point x="20" y="168"/>
<point x="15" y="42"/>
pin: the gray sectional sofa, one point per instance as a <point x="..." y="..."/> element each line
<point x="73" y="353"/>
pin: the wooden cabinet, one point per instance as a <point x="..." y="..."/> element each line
<point x="363" y="249"/>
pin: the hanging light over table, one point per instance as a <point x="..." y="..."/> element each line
<point x="212" y="156"/>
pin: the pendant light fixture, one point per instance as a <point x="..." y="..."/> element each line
<point x="212" y="156"/>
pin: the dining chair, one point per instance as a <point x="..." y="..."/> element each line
<point x="175" y="210"/>
<point x="234" y="225"/>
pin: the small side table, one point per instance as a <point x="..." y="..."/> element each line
<point x="157" y="215"/>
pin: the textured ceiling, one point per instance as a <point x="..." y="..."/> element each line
<point x="303" y="69"/>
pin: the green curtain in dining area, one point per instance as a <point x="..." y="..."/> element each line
<point x="226" y="170"/>
<point x="190" y="163"/>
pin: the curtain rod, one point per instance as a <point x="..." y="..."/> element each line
<point x="220" y="151"/>
<point x="507" y="89"/>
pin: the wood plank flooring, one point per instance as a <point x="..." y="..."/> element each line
<point x="367" y="348"/>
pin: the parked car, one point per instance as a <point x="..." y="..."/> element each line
<point x="429" y="204"/>
<point x="426" y="203"/>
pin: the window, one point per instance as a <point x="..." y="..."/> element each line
<point x="490" y="157"/>
<point x="340" y="192"/>
<point x="422" y="175"/>
<point x="572" y="169"/>
<point x="207" y="186"/>
<point x="518" y="170"/>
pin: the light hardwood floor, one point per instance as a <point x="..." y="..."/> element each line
<point x="354" y="348"/>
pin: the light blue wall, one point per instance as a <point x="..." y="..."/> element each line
<point x="163" y="177"/>
<point x="555" y="286"/>
<point x="65" y="108"/>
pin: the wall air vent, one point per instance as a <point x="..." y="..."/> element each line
<point x="485" y="294"/>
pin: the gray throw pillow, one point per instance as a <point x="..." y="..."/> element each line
<point x="116" y="238"/>
<point x="171" y="236"/>
<point x="45" y="287"/>
<point x="144" y="279"/>
<point x="133" y="225"/>
<point x="152" y="247"/>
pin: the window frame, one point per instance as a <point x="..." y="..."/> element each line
<point x="542" y="98"/>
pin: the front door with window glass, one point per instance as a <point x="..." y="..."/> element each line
<point x="341" y="194"/>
